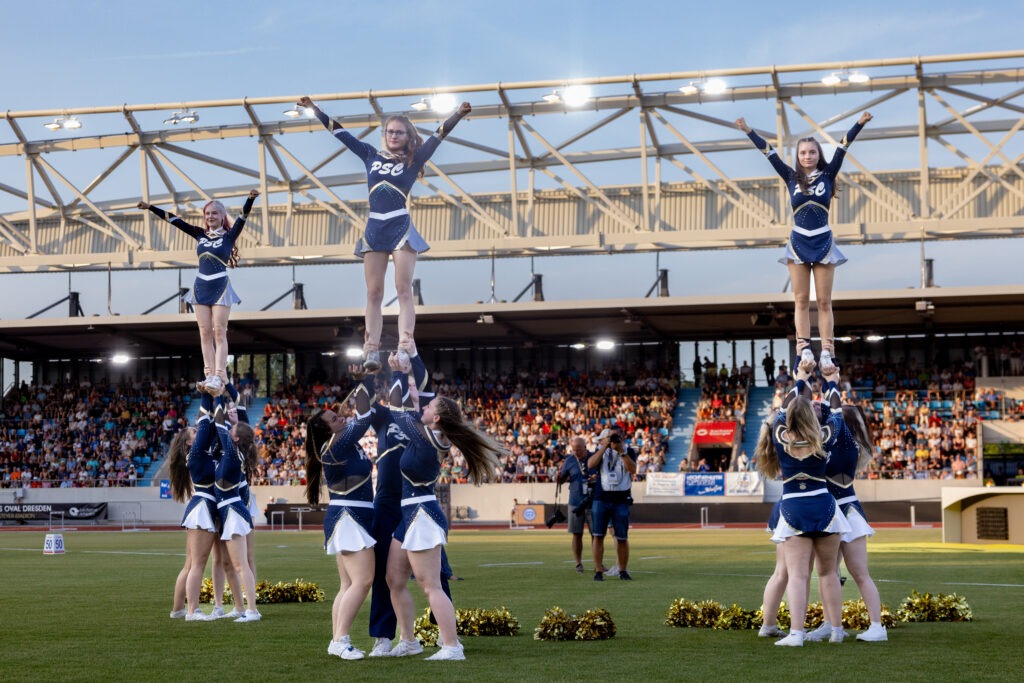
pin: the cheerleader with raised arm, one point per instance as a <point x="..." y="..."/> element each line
<point x="811" y="246"/>
<point x="850" y="454"/>
<point x="809" y="519"/>
<point x="416" y="547"/>
<point x="335" y="458"/>
<point x="193" y="473"/>
<point x="212" y="295"/>
<point x="390" y="174"/>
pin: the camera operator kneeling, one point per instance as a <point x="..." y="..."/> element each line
<point x="616" y="464"/>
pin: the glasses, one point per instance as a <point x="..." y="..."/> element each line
<point x="396" y="133"/>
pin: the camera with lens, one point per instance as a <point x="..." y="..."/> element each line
<point x="582" y="508"/>
<point x="557" y="517"/>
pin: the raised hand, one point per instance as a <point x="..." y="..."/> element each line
<point x="142" y="205"/>
<point x="741" y="123"/>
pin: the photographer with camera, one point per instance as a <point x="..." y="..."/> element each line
<point x="575" y="471"/>
<point x="615" y="463"/>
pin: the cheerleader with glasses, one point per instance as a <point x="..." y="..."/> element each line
<point x="212" y="295"/>
<point x="390" y="174"/>
<point x="811" y="247"/>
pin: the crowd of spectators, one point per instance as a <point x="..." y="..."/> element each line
<point x="533" y="414"/>
<point x="65" y="436"/>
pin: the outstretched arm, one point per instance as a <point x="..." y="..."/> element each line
<point x="778" y="164"/>
<point x="246" y="208"/>
<point x="363" y="150"/>
<point x="192" y="231"/>
<point x="844" y="144"/>
<point x="429" y="146"/>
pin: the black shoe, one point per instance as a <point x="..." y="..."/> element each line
<point x="624" y="575"/>
<point x="842" y="580"/>
<point x="598" y="576"/>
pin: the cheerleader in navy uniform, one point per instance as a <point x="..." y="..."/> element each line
<point x="390" y="174"/>
<point x="334" y="456"/>
<point x="237" y="449"/>
<point x="811" y="244"/>
<point x="193" y="472"/>
<point x="850" y="454"/>
<point x="416" y="547"/>
<point x="212" y="295"/>
<point x="809" y="519"/>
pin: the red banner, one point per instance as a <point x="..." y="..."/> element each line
<point x="714" y="433"/>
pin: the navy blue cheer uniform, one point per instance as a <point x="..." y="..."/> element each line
<point x="840" y="472"/>
<point x="348" y="473"/>
<point x="811" y="240"/>
<point x="243" y="416"/>
<point x="806" y="507"/>
<point x="212" y="286"/>
<point x="201" y="510"/>
<point x="389" y="180"/>
<point x="232" y="508"/>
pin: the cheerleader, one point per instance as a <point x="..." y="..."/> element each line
<point x="334" y="456"/>
<point x="237" y="449"/>
<point x="811" y="245"/>
<point x="775" y="588"/>
<point x="387" y="506"/>
<point x="389" y="231"/>
<point x="193" y="475"/>
<point x="416" y="546"/>
<point x="212" y="295"/>
<point x="809" y="519"/>
<point x="849" y="455"/>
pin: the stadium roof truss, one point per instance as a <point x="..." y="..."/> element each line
<point x="646" y="162"/>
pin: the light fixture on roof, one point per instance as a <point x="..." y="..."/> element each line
<point x="832" y="79"/>
<point x="858" y="77"/>
<point x="421" y="105"/>
<point x="552" y="97"/>
<point x="296" y="111"/>
<point x="874" y="338"/>
<point x="65" y="122"/>
<point x="715" y="86"/>
<point x="579" y="346"/>
<point x="353" y="352"/>
<point x="72" y="123"/>
<point x="120" y="358"/>
<point x="689" y="89"/>
<point x="605" y="345"/>
<point x="56" y="124"/>
<point x="182" y="116"/>
<point x="442" y="103"/>
<point x="837" y="77"/>
<point x="486" y="319"/>
<point x="576" y="95"/>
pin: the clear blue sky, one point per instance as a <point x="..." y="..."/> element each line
<point x="78" y="54"/>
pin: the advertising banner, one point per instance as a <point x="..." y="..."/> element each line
<point x="714" y="433"/>
<point x="665" y="484"/>
<point x="705" y="484"/>
<point x="743" y="484"/>
<point x="35" y="511"/>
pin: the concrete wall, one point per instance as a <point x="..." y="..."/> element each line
<point x="489" y="503"/>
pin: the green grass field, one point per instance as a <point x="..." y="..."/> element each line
<point x="99" y="612"/>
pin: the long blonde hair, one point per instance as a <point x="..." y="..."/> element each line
<point x="765" y="455"/>
<point x="803" y="426"/>
<point x="481" y="451"/>
<point x="177" y="462"/>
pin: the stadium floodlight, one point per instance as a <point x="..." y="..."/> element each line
<point x="353" y="352"/>
<point x="858" y="77"/>
<point x="443" y="103"/>
<point x="579" y="346"/>
<point x="715" y="86"/>
<point x="56" y="124"/>
<point x="72" y="123"/>
<point x="172" y="120"/>
<point x="832" y="79"/>
<point x="421" y="105"/>
<point x="689" y="89"/>
<point x="605" y="345"/>
<point x="293" y="113"/>
<point x="576" y="95"/>
<point x="120" y="358"/>
<point x="552" y="97"/>
<point x="189" y="117"/>
<point x="874" y="338"/>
